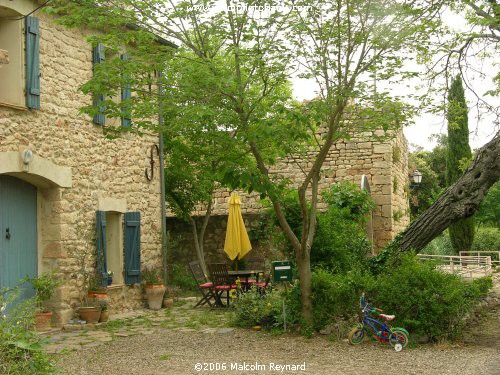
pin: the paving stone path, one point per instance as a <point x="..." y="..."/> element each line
<point x="181" y="317"/>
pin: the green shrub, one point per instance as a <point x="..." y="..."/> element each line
<point x="486" y="239"/>
<point x="181" y="277"/>
<point x="424" y="300"/>
<point x="44" y="286"/>
<point x="20" y="349"/>
<point x="252" y="308"/>
<point x="441" y="245"/>
<point x="340" y="243"/>
<point x="335" y="295"/>
<point x="484" y="284"/>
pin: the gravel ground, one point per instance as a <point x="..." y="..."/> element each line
<point x="173" y="352"/>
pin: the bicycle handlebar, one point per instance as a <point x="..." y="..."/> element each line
<point x="365" y="307"/>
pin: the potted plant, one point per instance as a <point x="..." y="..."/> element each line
<point x="110" y="278"/>
<point x="44" y="286"/>
<point x="96" y="290"/>
<point x="97" y="296"/>
<point x="154" y="287"/>
<point x="168" y="298"/>
<point x="104" y="313"/>
<point x="90" y="313"/>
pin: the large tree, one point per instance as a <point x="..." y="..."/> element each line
<point x="458" y="156"/>
<point x="459" y="201"/>
<point x="248" y="57"/>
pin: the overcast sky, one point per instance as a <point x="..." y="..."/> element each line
<point x="428" y="124"/>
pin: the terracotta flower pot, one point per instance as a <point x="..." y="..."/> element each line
<point x="154" y="293"/>
<point x="43" y="320"/>
<point x="104" y="316"/>
<point x="98" y="294"/>
<point x="90" y="314"/>
<point x="168" y="302"/>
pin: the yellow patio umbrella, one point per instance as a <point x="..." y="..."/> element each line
<point x="237" y="243"/>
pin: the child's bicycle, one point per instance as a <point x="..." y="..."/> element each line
<point x="397" y="337"/>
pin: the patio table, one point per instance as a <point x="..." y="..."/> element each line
<point x="245" y="274"/>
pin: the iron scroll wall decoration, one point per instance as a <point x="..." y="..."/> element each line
<point x="150" y="172"/>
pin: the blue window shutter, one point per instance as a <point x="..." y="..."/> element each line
<point x="97" y="58"/>
<point x="32" y="63"/>
<point x="126" y="94"/>
<point x="101" y="247"/>
<point x="132" y="248"/>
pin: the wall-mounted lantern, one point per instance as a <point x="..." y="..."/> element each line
<point x="416" y="178"/>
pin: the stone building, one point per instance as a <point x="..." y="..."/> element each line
<point x="379" y="160"/>
<point x="63" y="184"/>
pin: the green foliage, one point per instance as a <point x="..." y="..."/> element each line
<point x="335" y="295"/>
<point x="397" y="215"/>
<point x="239" y="67"/>
<point x="20" y="348"/>
<point x="180" y="277"/>
<point x="424" y="300"/>
<point x="340" y="243"/>
<point x="461" y="232"/>
<point x="441" y="245"/>
<point x="152" y="276"/>
<point x="253" y="308"/>
<point x="396" y="154"/>
<point x="489" y="210"/>
<point x="486" y="239"/>
<point x="432" y="185"/>
<point x="44" y="286"/>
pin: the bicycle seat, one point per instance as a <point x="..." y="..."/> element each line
<point x="387" y="317"/>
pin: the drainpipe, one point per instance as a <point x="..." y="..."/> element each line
<point x="161" y="122"/>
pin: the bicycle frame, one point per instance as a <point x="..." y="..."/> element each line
<point x="375" y="325"/>
<point x="368" y="321"/>
<point x="398" y="337"/>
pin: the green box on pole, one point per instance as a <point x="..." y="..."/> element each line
<point x="282" y="271"/>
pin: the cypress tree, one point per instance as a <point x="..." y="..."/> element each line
<point x="458" y="155"/>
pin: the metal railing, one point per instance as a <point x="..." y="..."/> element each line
<point x="462" y="265"/>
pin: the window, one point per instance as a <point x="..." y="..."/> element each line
<point x="12" y="74"/>
<point x="118" y="246"/>
<point x="114" y="246"/>
<point x="20" y="78"/>
<point x="99" y="55"/>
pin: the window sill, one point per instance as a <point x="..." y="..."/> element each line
<point x="115" y="286"/>
<point x="14" y="106"/>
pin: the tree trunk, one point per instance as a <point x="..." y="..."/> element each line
<point x="304" y="267"/>
<point x="459" y="201"/>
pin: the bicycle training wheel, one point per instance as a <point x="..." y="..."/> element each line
<point x="356" y="336"/>
<point x="398" y="336"/>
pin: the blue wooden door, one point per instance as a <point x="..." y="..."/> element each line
<point x="18" y="233"/>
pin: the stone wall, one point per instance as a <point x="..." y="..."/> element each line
<point x="181" y="246"/>
<point x="382" y="158"/>
<point x="101" y="169"/>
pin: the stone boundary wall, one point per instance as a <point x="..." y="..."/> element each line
<point x="383" y="159"/>
<point x="101" y="168"/>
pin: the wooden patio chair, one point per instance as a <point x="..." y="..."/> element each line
<point x="221" y="281"/>
<point x="204" y="285"/>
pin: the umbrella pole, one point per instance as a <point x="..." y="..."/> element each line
<point x="236" y="266"/>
